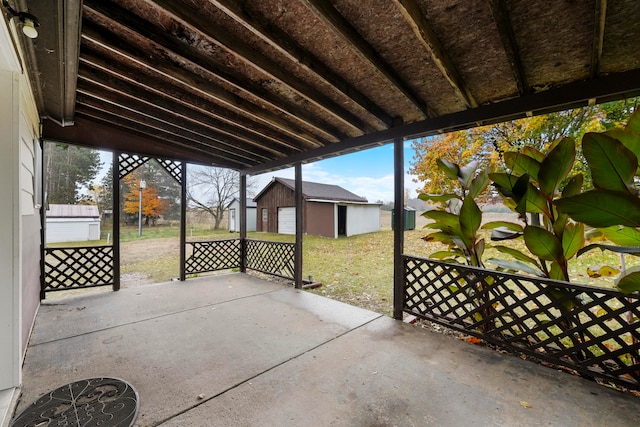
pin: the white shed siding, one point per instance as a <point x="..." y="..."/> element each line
<point x="362" y="219"/>
<point x="287" y="220"/>
<point x="72" y="230"/>
<point x="234" y="221"/>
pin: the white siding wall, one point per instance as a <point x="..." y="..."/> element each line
<point x="362" y="219"/>
<point x="287" y="220"/>
<point x="72" y="230"/>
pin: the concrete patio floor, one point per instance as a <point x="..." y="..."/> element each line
<point x="235" y="350"/>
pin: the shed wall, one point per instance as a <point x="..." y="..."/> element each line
<point x="320" y="219"/>
<point x="278" y="196"/>
<point x="362" y="219"/>
<point x="72" y="230"/>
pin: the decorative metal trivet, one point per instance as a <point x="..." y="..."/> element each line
<point x="105" y="402"/>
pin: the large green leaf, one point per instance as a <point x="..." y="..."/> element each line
<point x="630" y="282"/>
<point x="633" y="125"/>
<point x="513" y="226"/>
<point x="612" y="164"/>
<point x="534" y="153"/>
<point x="556" y="166"/>
<point x="449" y="168"/>
<point x="629" y="139"/>
<point x="504" y="182"/>
<point x="574" y="186"/>
<point x="542" y="244"/>
<point x="535" y="201"/>
<point x="447" y="254"/>
<point x="555" y="272"/>
<point x="520" y="164"/>
<point x="470" y="217"/>
<point x="572" y="239"/>
<point x="466" y="173"/>
<point x="515" y="266"/>
<point x="629" y="250"/>
<point x="600" y="208"/>
<point x="479" y="183"/>
<point x="516" y="254"/>
<point x="439" y="237"/>
<point x="624" y="236"/>
<point x="436" y="197"/>
<point x="442" y="217"/>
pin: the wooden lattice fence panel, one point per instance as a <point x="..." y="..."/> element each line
<point x="595" y="331"/>
<point x="77" y="267"/>
<point x="212" y="255"/>
<point x="275" y="258"/>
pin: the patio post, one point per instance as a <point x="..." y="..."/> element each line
<point x="398" y="230"/>
<point x="243" y="223"/>
<point x="115" y="228"/>
<point x="183" y="221"/>
<point x="297" y="261"/>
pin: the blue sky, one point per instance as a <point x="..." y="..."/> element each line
<point x="367" y="173"/>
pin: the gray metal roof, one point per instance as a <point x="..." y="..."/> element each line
<point x="315" y="190"/>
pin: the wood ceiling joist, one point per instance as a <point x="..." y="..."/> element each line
<point x="428" y="38"/>
<point x="196" y="21"/>
<point x="122" y="22"/>
<point x="163" y="89"/>
<point x="152" y="128"/>
<point x="120" y="52"/>
<point x="598" y="36"/>
<point x="324" y="10"/>
<point x="127" y="96"/>
<point x="503" y="24"/>
<point x="288" y="47"/>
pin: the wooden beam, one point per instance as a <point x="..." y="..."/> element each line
<point x="197" y="21"/>
<point x="427" y="37"/>
<point x="325" y="11"/>
<point x="398" y="230"/>
<point x="290" y="48"/>
<point x="133" y="28"/>
<point x="603" y="89"/>
<point x="598" y="36"/>
<point x="510" y="46"/>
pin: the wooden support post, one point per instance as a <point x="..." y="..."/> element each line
<point x="115" y="228"/>
<point x="183" y="221"/>
<point x="398" y="230"/>
<point x="297" y="274"/>
<point x="243" y="223"/>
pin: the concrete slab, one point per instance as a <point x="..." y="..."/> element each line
<point x="387" y="373"/>
<point x="240" y="351"/>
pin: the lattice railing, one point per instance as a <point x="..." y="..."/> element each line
<point x="212" y="255"/>
<point x="276" y="258"/>
<point x="594" y="331"/>
<point x="77" y="267"/>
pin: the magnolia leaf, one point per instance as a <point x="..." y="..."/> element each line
<point x="556" y="166"/>
<point x="470" y="217"/>
<point x="436" y="197"/>
<point x="555" y="272"/>
<point x="515" y="266"/>
<point x="466" y="173"/>
<point x="623" y="236"/>
<point x="534" y="153"/>
<point x="504" y="183"/>
<point x="572" y="239"/>
<point x="516" y="254"/>
<point x="574" y="186"/>
<point x="479" y="184"/>
<point x="446" y="254"/>
<point x="633" y="125"/>
<point x="612" y="165"/>
<point x="480" y="248"/>
<point x="601" y="208"/>
<point x="567" y="300"/>
<point x="594" y="234"/>
<point x="449" y="168"/>
<point x="520" y="164"/>
<point x="629" y="139"/>
<point x="629" y="250"/>
<point x="454" y="206"/>
<point x="630" y="282"/>
<point x="439" y="237"/>
<point x="535" y="201"/>
<point x="542" y="244"/>
<point x="504" y="224"/>
<point x="602" y="271"/>
<point x="442" y="217"/>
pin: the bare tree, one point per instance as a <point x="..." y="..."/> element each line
<point x="211" y="189"/>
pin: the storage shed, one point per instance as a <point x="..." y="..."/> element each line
<point x="328" y="210"/>
<point x="234" y="215"/>
<point x="72" y="223"/>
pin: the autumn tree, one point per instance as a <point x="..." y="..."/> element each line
<point x="152" y="205"/>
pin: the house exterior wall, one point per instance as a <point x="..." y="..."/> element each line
<point x="362" y="219"/>
<point x="72" y="230"/>
<point x="321" y="219"/>
<point x="278" y="196"/>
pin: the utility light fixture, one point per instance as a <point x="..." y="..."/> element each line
<point x="29" y="22"/>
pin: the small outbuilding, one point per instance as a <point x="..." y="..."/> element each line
<point x="72" y="223"/>
<point x="328" y="210"/>
<point x="234" y="215"/>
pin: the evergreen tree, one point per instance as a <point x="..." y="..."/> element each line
<point x="68" y="169"/>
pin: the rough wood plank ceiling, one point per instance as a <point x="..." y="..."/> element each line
<point x="254" y="85"/>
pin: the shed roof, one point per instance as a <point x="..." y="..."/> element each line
<point x="250" y="202"/>
<point x="261" y="85"/>
<point x="73" y="211"/>
<point x="315" y="190"/>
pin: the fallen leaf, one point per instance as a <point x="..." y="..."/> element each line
<point x="525" y="404"/>
<point x="474" y="340"/>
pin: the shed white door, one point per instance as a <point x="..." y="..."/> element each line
<point x="287" y="220"/>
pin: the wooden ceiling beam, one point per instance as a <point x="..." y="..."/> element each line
<point x="162" y="88"/>
<point x="510" y="46"/>
<point x="427" y="37"/>
<point x="196" y="21"/>
<point x="324" y="10"/>
<point x="290" y="48"/>
<point x="124" y="25"/>
<point x="137" y="100"/>
<point x="598" y="36"/>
